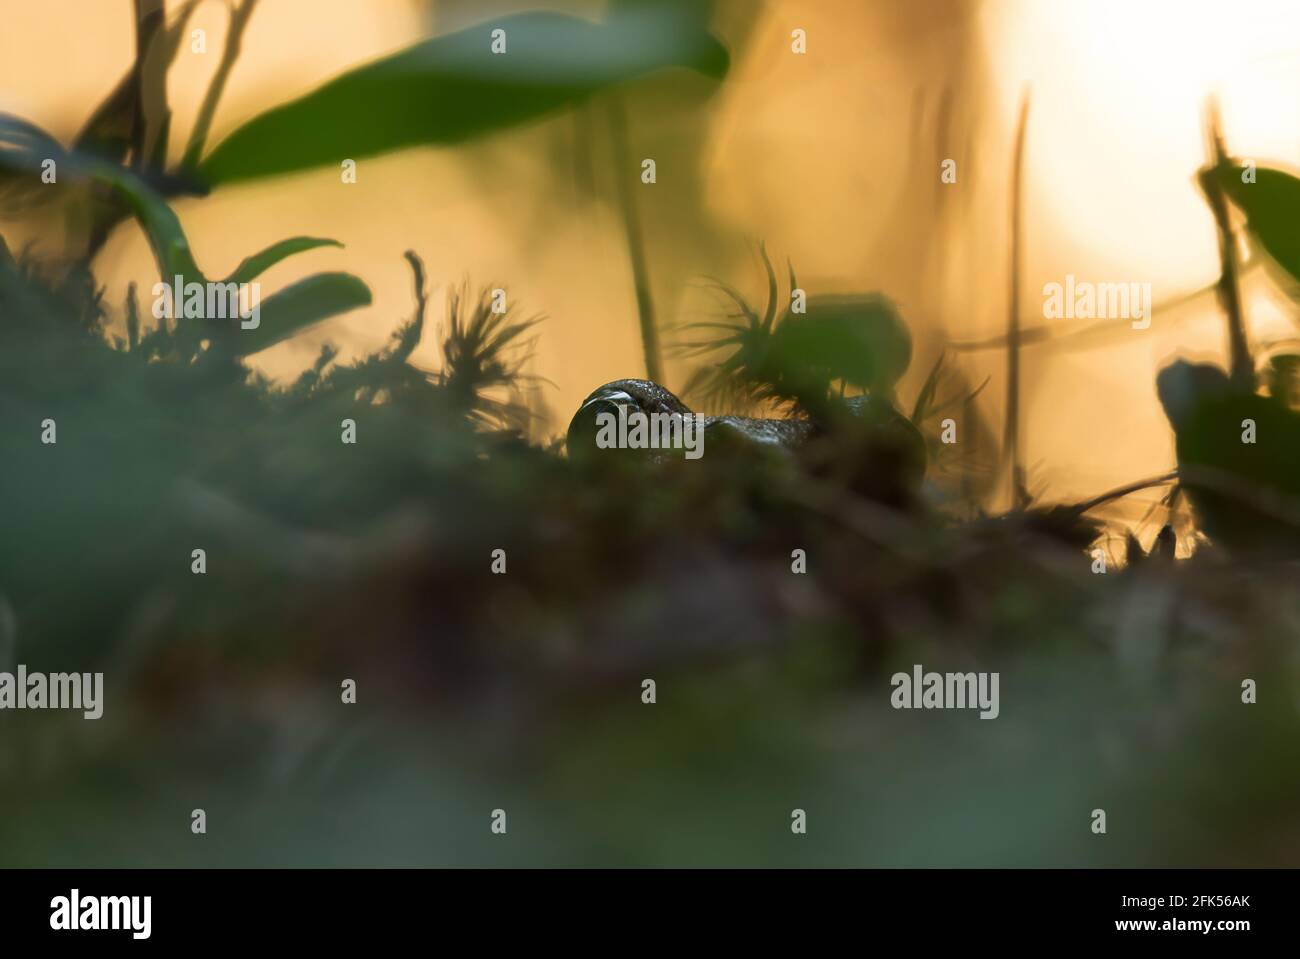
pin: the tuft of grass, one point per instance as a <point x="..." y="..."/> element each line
<point x="484" y="354"/>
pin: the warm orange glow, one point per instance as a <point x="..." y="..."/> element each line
<point x="831" y="158"/>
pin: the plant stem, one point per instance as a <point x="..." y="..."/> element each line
<point x="635" y="243"/>
<point x="239" y="17"/>
<point x="149" y="125"/>
<point x="1241" y="366"/>
<point x="1011" y="432"/>
<point x="1126" y="489"/>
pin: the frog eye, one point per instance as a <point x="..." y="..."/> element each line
<point x="585" y="425"/>
<point x="613" y="398"/>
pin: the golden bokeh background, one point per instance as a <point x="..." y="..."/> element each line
<point x="831" y="158"/>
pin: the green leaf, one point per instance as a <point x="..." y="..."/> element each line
<point x="859" y="339"/>
<point x="171" y="248"/>
<point x="25" y="146"/>
<point x="1272" y="208"/>
<point x="259" y="263"/>
<point x="298" y="306"/>
<point x="452" y="88"/>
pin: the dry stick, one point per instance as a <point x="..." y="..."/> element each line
<point x="1241" y="367"/>
<point x="239" y="17"/>
<point x="104" y="121"/>
<point x="1125" y="490"/>
<point x="141" y="98"/>
<point x="1051" y="333"/>
<point x="410" y="338"/>
<point x="635" y="243"/>
<point x="1011" y="433"/>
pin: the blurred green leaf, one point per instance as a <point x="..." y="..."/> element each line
<point x="259" y="263"/>
<point x="25" y="146"/>
<point x="162" y="227"/>
<point x="858" y="339"/>
<point x="22" y="145"/>
<point x="452" y="88"/>
<point x="1272" y="208"/>
<point x="298" y="306"/>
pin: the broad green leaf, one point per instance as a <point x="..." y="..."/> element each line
<point x="859" y="339"/>
<point x="1272" y="208"/>
<point x="452" y="88"/>
<point x="299" y="305"/>
<point x="257" y="264"/>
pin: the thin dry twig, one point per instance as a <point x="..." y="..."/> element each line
<point x="1011" y="433"/>
<point x="239" y="17"/>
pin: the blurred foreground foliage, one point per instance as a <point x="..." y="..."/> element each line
<point x="372" y="562"/>
<point x="328" y="561"/>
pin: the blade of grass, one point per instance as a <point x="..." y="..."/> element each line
<point x="623" y="173"/>
<point x="1011" y="431"/>
<point x="259" y="263"/>
<point x="1241" y="366"/>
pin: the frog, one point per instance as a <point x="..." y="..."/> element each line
<point x="861" y="438"/>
